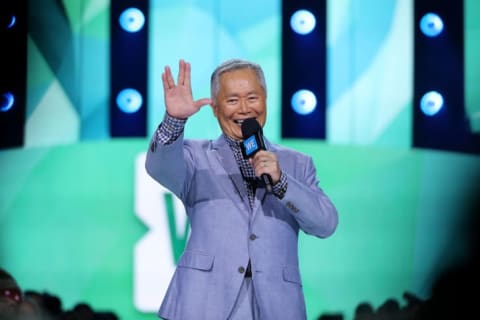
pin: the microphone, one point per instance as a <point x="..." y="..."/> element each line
<point x="252" y="143"/>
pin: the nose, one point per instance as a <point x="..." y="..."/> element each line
<point x="243" y="106"/>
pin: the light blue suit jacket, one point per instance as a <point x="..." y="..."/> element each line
<point x="226" y="233"/>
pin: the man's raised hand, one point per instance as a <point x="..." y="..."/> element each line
<point x="178" y="97"/>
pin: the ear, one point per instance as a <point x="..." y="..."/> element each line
<point x="214" y="108"/>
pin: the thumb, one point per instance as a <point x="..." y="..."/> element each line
<point x="202" y="102"/>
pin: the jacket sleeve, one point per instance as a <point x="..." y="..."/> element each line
<point x="309" y="205"/>
<point x="166" y="163"/>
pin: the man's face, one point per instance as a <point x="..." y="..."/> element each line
<point x="240" y="96"/>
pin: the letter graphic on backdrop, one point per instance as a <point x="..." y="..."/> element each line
<point x="156" y="254"/>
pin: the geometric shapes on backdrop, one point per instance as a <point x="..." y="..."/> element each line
<point x="370" y="86"/>
<point x="54" y="120"/>
<point x="90" y="102"/>
<point x="220" y="37"/>
<point x="51" y="30"/>
<point x="472" y="64"/>
<point x="90" y="24"/>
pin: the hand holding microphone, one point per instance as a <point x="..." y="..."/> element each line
<point x="264" y="162"/>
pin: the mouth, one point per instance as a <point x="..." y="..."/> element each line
<point x="239" y="121"/>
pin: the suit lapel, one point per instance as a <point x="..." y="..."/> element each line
<point x="225" y="157"/>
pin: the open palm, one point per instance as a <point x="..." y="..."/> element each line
<point x="178" y="97"/>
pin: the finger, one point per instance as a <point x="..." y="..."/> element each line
<point x="265" y="162"/>
<point x="259" y="164"/>
<point x="261" y="155"/>
<point x="262" y="168"/>
<point x="181" y="72"/>
<point x="268" y="164"/>
<point x="267" y="156"/>
<point x="188" y="72"/>
<point x="202" y="102"/>
<point x="164" y="82"/>
<point x="169" y="78"/>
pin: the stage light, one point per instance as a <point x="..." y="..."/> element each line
<point x="7" y="18"/>
<point x="304" y="52"/>
<point x="132" y="20"/>
<point x="129" y="100"/>
<point x="302" y="22"/>
<point x="431" y="103"/>
<point x="128" y="68"/>
<point x="431" y="25"/>
<point x="304" y="102"/>
<point x="8" y="21"/>
<point x="7" y="101"/>
<point x="12" y="22"/>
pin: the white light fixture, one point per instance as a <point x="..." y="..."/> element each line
<point x="431" y="103"/>
<point x="132" y="20"/>
<point x="302" y="22"/>
<point x="304" y="102"/>
<point x="431" y="24"/>
<point x="129" y="100"/>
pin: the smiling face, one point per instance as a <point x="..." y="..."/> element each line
<point x="240" y="96"/>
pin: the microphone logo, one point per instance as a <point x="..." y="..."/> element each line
<point x="252" y="138"/>
<point x="250" y="145"/>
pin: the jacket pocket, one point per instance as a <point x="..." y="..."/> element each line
<point x="196" y="260"/>
<point x="292" y="274"/>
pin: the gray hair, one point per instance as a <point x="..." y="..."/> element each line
<point x="234" y="64"/>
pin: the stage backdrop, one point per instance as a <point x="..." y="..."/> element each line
<point x="79" y="218"/>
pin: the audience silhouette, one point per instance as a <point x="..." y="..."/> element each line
<point x="16" y="304"/>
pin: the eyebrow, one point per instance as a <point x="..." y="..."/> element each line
<point x="237" y="95"/>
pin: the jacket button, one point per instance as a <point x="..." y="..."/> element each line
<point x="253" y="236"/>
<point x="241" y="269"/>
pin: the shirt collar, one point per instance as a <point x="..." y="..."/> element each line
<point x="234" y="144"/>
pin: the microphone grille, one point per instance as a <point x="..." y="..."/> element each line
<point x="250" y="126"/>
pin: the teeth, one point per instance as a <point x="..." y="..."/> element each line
<point x="238" y="121"/>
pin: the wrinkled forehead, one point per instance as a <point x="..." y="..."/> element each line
<point x="240" y="82"/>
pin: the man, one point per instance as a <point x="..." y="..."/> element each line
<point x="241" y="259"/>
